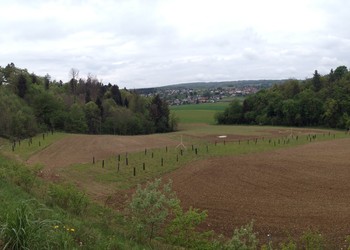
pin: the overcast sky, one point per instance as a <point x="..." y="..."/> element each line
<point x="150" y="43"/>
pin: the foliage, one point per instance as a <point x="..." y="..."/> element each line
<point x="243" y="239"/>
<point x="182" y="230"/>
<point x="312" y="240"/>
<point x="68" y="198"/>
<point x="32" y="104"/>
<point x="149" y="208"/>
<point x="318" y="101"/>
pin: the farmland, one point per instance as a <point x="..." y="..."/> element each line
<point x="286" y="180"/>
<point x="198" y="113"/>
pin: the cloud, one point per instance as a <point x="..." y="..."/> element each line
<point x="151" y="43"/>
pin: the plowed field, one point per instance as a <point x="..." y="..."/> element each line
<point x="284" y="191"/>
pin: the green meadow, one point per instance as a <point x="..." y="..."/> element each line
<point x="198" y="113"/>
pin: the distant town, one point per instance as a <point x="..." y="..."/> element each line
<point x="207" y="92"/>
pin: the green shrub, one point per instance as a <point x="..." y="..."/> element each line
<point x="243" y="239"/>
<point x="149" y="208"/>
<point x="182" y="231"/>
<point x="312" y="241"/>
<point x="290" y="245"/>
<point x="68" y="198"/>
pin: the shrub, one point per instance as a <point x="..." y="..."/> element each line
<point x="312" y="241"/>
<point x="68" y="198"/>
<point x="149" y="208"/>
<point x="243" y="239"/>
<point x="182" y="229"/>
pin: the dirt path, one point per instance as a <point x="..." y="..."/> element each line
<point x="285" y="191"/>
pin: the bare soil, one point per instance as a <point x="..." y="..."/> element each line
<point x="285" y="191"/>
<point x="82" y="148"/>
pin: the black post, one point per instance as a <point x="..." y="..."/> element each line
<point x="134" y="171"/>
<point x="103" y="163"/>
<point x="127" y="161"/>
<point x="196" y="151"/>
<point x="143" y="166"/>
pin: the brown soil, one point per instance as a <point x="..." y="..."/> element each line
<point x="285" y="191"/>
<point x="82" y="148"/>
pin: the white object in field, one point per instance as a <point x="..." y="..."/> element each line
<point x="222" y="136"/>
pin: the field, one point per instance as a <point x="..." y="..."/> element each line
<point x="198" y="113"/>
<point x="286" y="180"/>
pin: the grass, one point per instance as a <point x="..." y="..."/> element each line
<point x="28" y="219"/>
<point x="24" y="149"/>
<point x="198" y="113"/>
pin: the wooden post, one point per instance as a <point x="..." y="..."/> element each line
<point x="145" y="151"/>
<point x="161" y="162"/>
<point x="224" y="142"/>
<point x="181" y="152"/>
<point x="144" y="166"/>
<point x="103" y="163"/>
<point x="118" y="157"/>
<point x="93" y="160"/>
<point x="152" y="154"/>
<point x="127" y="161"/>
<point x="196" y="151"/>
<point x="134" y="171"/>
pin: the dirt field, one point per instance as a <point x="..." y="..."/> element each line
<point x="285" y="191"/>
<point x="82" y="148"/>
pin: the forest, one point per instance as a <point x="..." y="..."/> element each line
<point x="31" y="104"/>
<point x="320" y="101"/>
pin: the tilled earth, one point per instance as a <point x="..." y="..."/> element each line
<point x="285" y="191"/>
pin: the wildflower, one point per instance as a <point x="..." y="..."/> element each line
<point x="72" y="230"/>
<point x="56" y="226"/>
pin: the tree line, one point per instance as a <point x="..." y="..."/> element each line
<point x="317" y="101"/>
<point x="30" y="104"/>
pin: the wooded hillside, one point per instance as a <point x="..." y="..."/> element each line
<point x="30" y="104"/>
<point x="318" y="101"/>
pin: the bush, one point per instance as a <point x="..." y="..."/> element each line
<point x="243" y="239"/>
<point x="312" y="241"/>
<point x="68" y="198"/>
<point x="149" y="208"/>
<point x="182" y="229"/>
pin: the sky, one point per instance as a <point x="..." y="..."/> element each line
<point x="149" y="43"/>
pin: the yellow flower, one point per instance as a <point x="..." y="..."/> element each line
<point x="72" y="229"/>
<point x="55" y="227"/>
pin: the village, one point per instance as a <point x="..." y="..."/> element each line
<point x="194" y="96"/>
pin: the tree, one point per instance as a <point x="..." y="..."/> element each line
<point x="93" y="117"/>
<point x="116" y="95"/>
<point x="47" y="80"/>
<point x="316" y="81"/>
<point x="76" y="121"/>
<point x="159" y="114"/>
<point x="21" y="86"/>
<point x="340" y="71"/>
